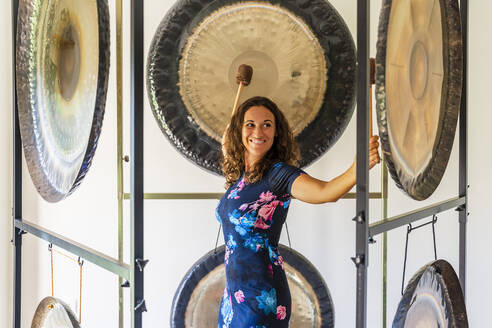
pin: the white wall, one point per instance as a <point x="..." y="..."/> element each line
<point x="177" y="233"/>
<point x="5" y="168"/>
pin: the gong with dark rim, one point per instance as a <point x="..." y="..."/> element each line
<point x="54" y="313"/>
<point x="62" y="76"/>
<point x="432" y="298"/>
<point x="303" y="58"/>
<point x="418" y="89"/>
<point x="198" y="297"/>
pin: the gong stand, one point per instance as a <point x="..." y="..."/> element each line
<point x="132" y="272"/>
<point x="365" y="231"/>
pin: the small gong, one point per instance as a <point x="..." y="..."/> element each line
<point x="54" y="313"/>
<point x="432" y="298"/>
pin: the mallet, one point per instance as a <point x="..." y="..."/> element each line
<point x="243" y="78"/>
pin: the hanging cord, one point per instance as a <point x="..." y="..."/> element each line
<point x="288" y="235"/>
<point x="50" y="249"/>
<point x="434" y="220"/>
<point x="217" y="240"/>
<point x="410" y="229"/>
<point x="81" y="263"/>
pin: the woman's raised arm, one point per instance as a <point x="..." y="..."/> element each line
<point x="315" y="191"/>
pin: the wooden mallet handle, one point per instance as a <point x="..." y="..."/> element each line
<point x="243" y="78"/>
<point x="372" y="80"/>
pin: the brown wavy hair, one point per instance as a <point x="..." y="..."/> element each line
<point x="284" y="148"/>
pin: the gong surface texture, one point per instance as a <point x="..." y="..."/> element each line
<point x="54" y="313"/>
<point x="197" y="300"/>
<point x="62" y="76"/>
<point x="418" y="89"/>
<point x="432" y="298"/>
<point x="303" y="58"/>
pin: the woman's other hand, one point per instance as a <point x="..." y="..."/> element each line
<point x="373" y="151"/>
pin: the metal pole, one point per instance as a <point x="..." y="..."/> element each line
<point x="136" y="164"/>
<point x="119" y="149"/>
<point x="384" y="216"/>
<point x="362" y="199"/>
<point x="16" y="181"/>
<point x="463" y="153"/>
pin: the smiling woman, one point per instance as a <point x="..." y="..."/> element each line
<point x="259" y="163"/>
<point x="258" y="120"/>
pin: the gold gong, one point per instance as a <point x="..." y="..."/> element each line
<point x="62" y="71"/>
<point x="419" y="76"/>
<point x="414" y="76"/>
<point x="303" y="58"/>
<point x="288" y="63"/>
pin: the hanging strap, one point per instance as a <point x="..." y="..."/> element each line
<point x="50" y="249"/>
<point x="80" y="263"/>
<point x="410" y="229"/>
<point x="217" y="240"/>
<point x="288" y="235"/>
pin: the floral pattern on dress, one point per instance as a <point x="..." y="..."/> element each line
<point x="239" y="295"/>
<point x="256" y="215"/>
<point x="234" y="192"/>
<point x="281" y="312"/>
<point x="226" y="310"/>
<point x="230" y="247"/>
<point x="267" y="301"/>
<point x="262" y="209"/>
<point x="275" y="257"/>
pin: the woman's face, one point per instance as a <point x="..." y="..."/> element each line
<point x="258" y="133"/>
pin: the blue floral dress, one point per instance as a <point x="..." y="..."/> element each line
<point x="252" y="216"/>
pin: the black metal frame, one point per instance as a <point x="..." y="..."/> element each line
<point x="363" y="230"/>
<point x="135" y="271"/>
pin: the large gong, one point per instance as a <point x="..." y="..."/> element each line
<point x="432" y="298"/>
<point x="197" y="300"/>
<point x="303" y="58"/>
<point x="62" y="75"/>
<point x="54" y="313"/>
<point x="418" y="92"/>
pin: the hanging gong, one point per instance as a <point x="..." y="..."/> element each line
<point x="53" y="313"/>
<point x="62" y="76"/>
<point x="418" y="89"/>
<point x="198" y="297"/>
<point x="303" y="58"/>
<point x="432" y="298"/>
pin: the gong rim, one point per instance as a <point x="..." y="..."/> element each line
<point x="442" y="273"/>
<point x="178" y="124"/>
<point x="36" y="149"/>
<point x="215" y="258"/>
<point x="46" y="305"/>
<point x="424" y="183"/>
